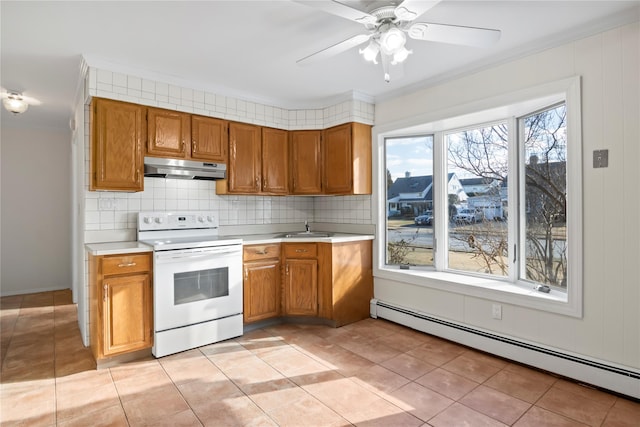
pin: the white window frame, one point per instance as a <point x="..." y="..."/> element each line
<point x="509" y="106"/>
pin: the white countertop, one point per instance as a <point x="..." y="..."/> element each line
<point x="113" y="248"/>
<point x="259" y="239"/>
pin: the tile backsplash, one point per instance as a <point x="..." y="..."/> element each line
<point x="118" y="211"/>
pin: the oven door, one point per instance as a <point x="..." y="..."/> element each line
<point x="196" y="285"/>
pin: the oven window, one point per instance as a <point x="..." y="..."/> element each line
<point x="200" y="285"/>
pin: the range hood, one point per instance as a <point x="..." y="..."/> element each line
<point x="183" y="169"/>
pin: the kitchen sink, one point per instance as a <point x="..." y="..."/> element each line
<point x="303" y="234"/>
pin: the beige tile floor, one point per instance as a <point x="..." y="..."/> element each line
<point x="371" y="373"/>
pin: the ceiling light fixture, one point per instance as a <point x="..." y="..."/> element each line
<point x="370" y="53"/>
<point x="392" y="40"/>
<point x="389" y="41"/>
<point x="14" y="103"/>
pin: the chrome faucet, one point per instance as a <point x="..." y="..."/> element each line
<point x="306" y="225"/>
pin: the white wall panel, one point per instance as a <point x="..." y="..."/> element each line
<point x="613" y="198"/>
<point x="588" y="60"/>
<point x="629" y="249"/>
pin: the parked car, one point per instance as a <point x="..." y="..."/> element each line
<point x="393" y="213"/>
<point x="468" y="216"/>
<point x="424" y="219"/>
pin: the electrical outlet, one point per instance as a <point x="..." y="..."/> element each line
<point x="105" y="204"/>
<point x="496" y="311"/>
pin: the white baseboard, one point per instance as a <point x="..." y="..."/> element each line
<point x="619" y="379"/>
<point x="6" y="293"/>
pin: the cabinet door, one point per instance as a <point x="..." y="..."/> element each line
<point x="306" y="162"/>
<point x="127" y="313"/>
<point x="275" y="161"/>
<point x="261" y="290"/>
<point x="338" y="164"/>
<point x="169" y="133"/>
<point x="244" y="158"/>
<point x="118" y="133"/>
<point x="209" y="139"/>
<point x="301" y="287"/>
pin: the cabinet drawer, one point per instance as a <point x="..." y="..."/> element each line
<point x="123" y="264"/>
<point x="300" y="250"/>
<point x="256" y="252"/>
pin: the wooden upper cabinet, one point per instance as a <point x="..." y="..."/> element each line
<point x="117" y="135"/>
<point x="306" y="161"/>
<point x="169" y="133"/>
<point x="245" y="153"/>
<point x="347" y="159"/>
<point x="209" y="139"/>
<point x="275" y="161"/>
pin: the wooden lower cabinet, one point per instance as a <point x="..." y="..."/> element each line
<point x="262" y="278"/>
<point x="301" y="287"/>
<point x="300" y="279"/>
<point x="346" y="281"/>
<point x="329" y="281"/>
<point x="121" y="303"/>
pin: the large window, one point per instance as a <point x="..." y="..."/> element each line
<point x="497" y="200"/>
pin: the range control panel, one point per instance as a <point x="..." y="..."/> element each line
<point x="176" y="220"/>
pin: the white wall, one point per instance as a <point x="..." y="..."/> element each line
<point x="36" y="210"/>
<point x="609" y="66"/>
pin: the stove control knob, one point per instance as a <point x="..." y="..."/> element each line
<point x="159" y="220"/>
<point x="210" y="218"/>
<point x="147" y="220"/>
<point x="200" y="219"/>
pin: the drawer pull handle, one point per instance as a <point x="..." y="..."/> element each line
<point x="262" y="252"/>
<point x="301" y="250"/>
<point x="128" y="264"/>
<point x="105" y="293"/>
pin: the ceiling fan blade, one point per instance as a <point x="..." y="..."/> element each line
<point x="454" y="34"/>
<point x="335" y="49"/>
<point x="341" y="10"/>
<point x="409" y="10"/>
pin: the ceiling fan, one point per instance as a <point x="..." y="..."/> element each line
<point x="388" y="24"/>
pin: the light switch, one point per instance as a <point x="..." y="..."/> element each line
<point x="600" y="158"/>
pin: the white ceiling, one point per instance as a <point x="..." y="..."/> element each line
<point x="248" y="49"/>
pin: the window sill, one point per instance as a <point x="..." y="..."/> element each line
<point x="485" y="288"/>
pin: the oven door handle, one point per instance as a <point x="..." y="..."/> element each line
<point x="174" y="256"/>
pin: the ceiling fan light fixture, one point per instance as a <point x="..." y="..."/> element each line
<point x="392" y="40"/>
<point x="400" y="56"/>
<point x="14" y="103"/>
<point x="370" y="53"/>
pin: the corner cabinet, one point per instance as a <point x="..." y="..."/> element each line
<point x="347" y="159"/>
<point x="121" y="303"/>
<point x="306" y="161"/>
<point x="258" y="161"/>
<point x="118" y="131"/>
<point x="300" y="279"/>
<point x="262" y="278"/>
<point x="346" y="281"/>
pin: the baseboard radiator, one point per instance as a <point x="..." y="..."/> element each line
<point x="592" y="372"/>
